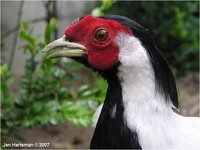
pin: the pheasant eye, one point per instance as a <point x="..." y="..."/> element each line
<point x="101" y="35"/>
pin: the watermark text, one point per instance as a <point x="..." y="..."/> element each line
<point x="25" y="145"/>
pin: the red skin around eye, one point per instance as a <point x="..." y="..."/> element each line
<point x="101" y="55"/>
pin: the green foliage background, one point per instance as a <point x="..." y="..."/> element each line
<point x="46" y="95"/>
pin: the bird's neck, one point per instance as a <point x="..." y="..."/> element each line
<point x="111" y="130"/>
<point x="142" y="103"/>
<point x="131" y="102"/>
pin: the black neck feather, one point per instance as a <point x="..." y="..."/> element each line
<point x="112" y="131"/>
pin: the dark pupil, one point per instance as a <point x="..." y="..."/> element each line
<point x="101" y="35"/>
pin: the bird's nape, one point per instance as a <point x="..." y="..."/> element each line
<point x="165" y="81"/>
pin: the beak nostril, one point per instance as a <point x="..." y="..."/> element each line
<point x="70" y="40"/>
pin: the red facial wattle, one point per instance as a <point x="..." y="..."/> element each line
<point x="102" y="53"/>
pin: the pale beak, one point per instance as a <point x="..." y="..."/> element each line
<point x="67" y="49"/>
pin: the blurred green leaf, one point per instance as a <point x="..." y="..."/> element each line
<point x="100" y="11"/>
<point x="24" y="26"/>
<point x="25" y="37"/>
<point x="37" y="106"/>
<point x="52" y="106"/>
<point x="53" y="24"/>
